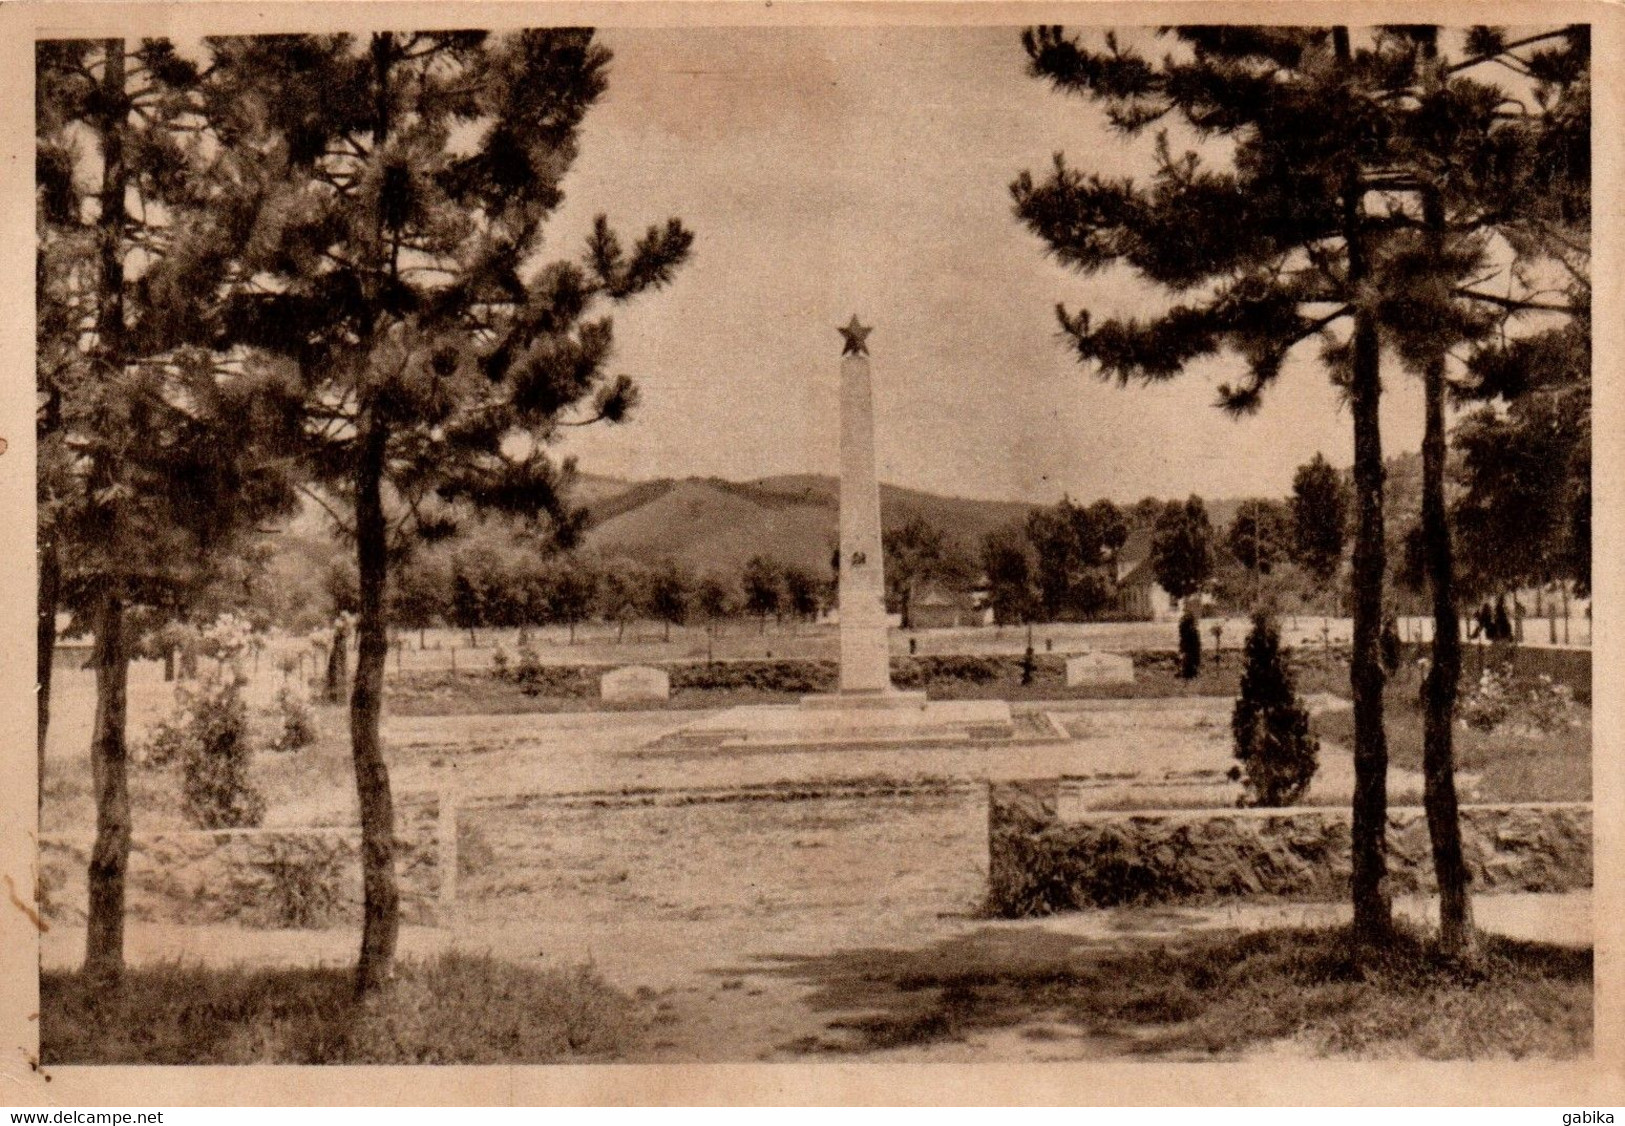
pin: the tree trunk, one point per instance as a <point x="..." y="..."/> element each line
<point x="1373" y="905"/>
<point x="1444" y="672"/>
<point x="50" y="592"/>
<point x="110" y="855"/>
<point x="1373" y="901"/>
<point x="1444" y="676"/>
<point x="381" y="896"/>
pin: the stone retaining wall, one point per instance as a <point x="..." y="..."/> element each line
<point x="295" y="877"/>
<point x="1039" y="862"/>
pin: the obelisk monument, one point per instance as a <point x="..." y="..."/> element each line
<point x="865" y="658"/>
<point x="866" y="710"/>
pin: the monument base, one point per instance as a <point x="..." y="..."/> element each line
<point x="850" y="719"/>
<point x="890" y="699"/>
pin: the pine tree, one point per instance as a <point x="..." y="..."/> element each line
<point x="155" y="453"/>
<point x="1523" y="513"/>
<point x="1477" y="184"/>
<point x="400" y="184"/>
<point x="1270" y="725"/>
<point x="1382" y="209"/>
<point x="1274" y="249"/>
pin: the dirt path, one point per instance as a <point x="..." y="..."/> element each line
<point x="725" y="989"/>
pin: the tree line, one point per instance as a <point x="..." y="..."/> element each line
<point x="478" y="586"/>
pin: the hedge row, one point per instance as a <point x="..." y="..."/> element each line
<point x="795" y="677"/>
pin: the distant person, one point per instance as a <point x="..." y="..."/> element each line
<point x="1389" y="643"/>
<point x="1503" y="623"/>
<point x="1483" y="624"/>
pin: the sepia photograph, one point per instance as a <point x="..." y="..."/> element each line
<point x="1045" y="539"/>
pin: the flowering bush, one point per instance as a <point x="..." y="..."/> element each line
<point x="1500" y="701"/>
<point x="230" y="639"/>
<point x="296" y="723"/>
<point x="524" y="670"/>
<point x="208" y="734"/>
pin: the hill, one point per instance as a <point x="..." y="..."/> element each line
<point x="712" y="525"/>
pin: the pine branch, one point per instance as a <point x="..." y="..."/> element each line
<point x="1516" y="304"/>
<point x="344" y="528"/>
<point x="1505" y="48"/>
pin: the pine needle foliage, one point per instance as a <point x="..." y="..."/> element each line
<point x="1277" y="752"/>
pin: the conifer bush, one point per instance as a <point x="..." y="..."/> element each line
<point x="1277" y="753"/>
<point x="1190" y="646"/>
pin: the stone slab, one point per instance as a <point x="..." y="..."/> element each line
<point x="864" y="701"/>
<point x="634" y="683"/>
<point x="909" y="721"/>
<point x="1099" y="668"/>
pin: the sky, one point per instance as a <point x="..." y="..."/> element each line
<point x="827" y="172"/>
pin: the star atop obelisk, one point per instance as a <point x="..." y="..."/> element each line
<point x="855" y="334"/>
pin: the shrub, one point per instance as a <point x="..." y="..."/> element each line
<point x="301" y="888"/>
<point x="920" y="672"/>
<point x="296" y="723"/>
<point x="208" y="735"/>
<point x="1501" y="701"/>
<point x="761" y="676"/>
<point x="1190" y="646"/>
<point x="1270" y="725"/>
<point x="215" y="761"/>
<point x="528" y="670"/>
<point x="499" y="662"/>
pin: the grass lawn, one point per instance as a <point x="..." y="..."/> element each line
<point x="456" y="1008"/>
<point x="1512" y="766"/>
<point x="1221" y="994"/>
